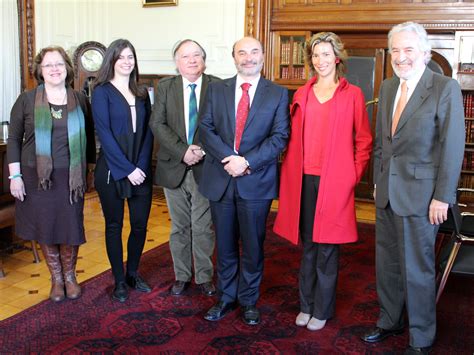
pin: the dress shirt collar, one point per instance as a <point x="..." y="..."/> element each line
<point x="412" y="82"/>
<point x="253" y="82"/>
<point x="186" y="82"/>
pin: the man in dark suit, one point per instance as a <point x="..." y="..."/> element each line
<point x="180" y="158"/>
<point x="244" y="127"/>
<point x="418" y="154"/>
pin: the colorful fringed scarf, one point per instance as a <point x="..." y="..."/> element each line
<point x="76" y="139"/>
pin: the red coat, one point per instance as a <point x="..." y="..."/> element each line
<point x="346" y="156"/>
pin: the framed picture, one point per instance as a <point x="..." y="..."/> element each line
<point x="147" y="3"/>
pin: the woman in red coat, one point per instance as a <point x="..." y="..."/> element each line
<point x="328" y="151"/>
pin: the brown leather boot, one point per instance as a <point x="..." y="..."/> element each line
<point x="69" y="260"/>
<point x="53" y="260"/>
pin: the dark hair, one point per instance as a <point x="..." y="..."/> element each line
<point x="337" y="46"/>
<point x="107" y="71"/>
<point x="179" y="44"/>
<point x="37" y="70"/>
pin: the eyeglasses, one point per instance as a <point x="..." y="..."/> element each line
<point x="51" y="66"/>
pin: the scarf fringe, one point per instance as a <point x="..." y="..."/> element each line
<point x="77" y="194"/>
<point x="44" y="184"/>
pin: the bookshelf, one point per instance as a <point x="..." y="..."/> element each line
<point x="289" y="67"/>
<point x="464" y="73"/>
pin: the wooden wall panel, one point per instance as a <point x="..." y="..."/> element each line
<point x="369" y="15"/>
<point x="26" y="17"/>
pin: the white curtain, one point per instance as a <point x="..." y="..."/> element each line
<point x="10" y="77"/>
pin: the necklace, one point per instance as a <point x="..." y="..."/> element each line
<point x="56" y="114"/>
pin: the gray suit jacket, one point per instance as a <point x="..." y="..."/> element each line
<point x="423" y="159"/>
<point x="168" y="125"/>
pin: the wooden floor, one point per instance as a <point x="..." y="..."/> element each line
<point x="27" y="283"/>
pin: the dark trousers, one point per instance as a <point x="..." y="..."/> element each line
<point x="113" y="208"/>
<point x="405" y="268"/>
<point x="235" y="218"/>
<point x="319" y="262"/>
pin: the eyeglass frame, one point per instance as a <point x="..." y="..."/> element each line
<point x="50" y="66"/>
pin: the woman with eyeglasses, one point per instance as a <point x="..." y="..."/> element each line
<point x="51" y="154"/>
<point x="121" y="110"/>
<point x="328" y="151"/>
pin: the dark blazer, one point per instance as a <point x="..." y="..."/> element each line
<point x="265" y="136"/>
<point x="168" y="125"/>
<point x="423" y="159"/>
<point x="113" y="125"/>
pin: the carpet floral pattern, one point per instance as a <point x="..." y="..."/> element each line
<point x="159" y="323"/>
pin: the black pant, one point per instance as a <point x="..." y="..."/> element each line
<point x="113" y="208"/>
<point x="319" y="262"/>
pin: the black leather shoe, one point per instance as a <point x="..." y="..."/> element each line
<point x="120" y="292"/>
<point x="414" y="351"/>
<point x="137" y="283"/>
<point x="219" y="310"/>
<point x="208" y="289"/>
<point x="378" y="334"/>
<point x="179" y="287"/>
<point x="251" y="315"/>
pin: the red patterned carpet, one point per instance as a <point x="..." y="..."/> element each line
<point x="160" y="323"/>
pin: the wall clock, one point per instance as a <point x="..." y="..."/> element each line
<point x="87" y="60"/>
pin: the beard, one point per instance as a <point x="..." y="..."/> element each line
<point x="253" y="71"/>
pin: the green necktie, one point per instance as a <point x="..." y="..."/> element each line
<point x="193" y="113"/>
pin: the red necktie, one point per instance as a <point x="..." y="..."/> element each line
<point x="242" y="113"/>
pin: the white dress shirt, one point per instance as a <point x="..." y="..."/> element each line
<point x="187" y="94"/>
<point x="411" y="85"/>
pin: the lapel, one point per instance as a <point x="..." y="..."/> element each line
<point x="257" y="100"/>
<point x="422" y="91"/>
<point x="177" y="90"/>
<point x="391" y="93"/>
<point x="229" y="95"/>
<point x="204" y="84"/>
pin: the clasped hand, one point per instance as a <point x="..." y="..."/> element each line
<point x="136" y="177"/>
<point x="193" y="155"/>
<point x="235" y="165"/>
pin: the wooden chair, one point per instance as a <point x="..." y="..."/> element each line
<point x="7" y="220"/>
<point x="452" y="258"/>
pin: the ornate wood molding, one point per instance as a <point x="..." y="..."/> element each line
<point x="26" y="20"/>
<point x="356" y="17"/>
<point x="257" y="25"/>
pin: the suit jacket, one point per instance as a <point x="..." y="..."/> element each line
<point x="265" y="136"/>
<point x="423" y="159"/>
<point x="168" y="125"/>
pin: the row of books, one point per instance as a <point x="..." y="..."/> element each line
<point x="466" y="180"/>
<point x="469" y="122"/>
<point x="298" y="53"/>
<point x="468" y="104"/>
<point x="293" y="73"/>
<point x="468" y="162"/>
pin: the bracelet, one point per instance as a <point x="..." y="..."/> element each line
<point x="14" y="176"/>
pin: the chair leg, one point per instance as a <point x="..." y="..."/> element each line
<point x="35" y="252"/>
<point x="440" y="241"/>
<point x="449" y="266"/>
